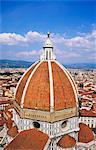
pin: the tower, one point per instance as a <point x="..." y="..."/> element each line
<point x="48" y="50"/>
<point x="46" y="99"/>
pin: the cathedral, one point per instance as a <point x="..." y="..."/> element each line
<point x="46" y="108"/>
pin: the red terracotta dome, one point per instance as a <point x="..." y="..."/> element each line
<point x="40" y="88"/>
<point x="66" y="142"/>
<point x="85" y="134"/>
<point x="46" y="85"/>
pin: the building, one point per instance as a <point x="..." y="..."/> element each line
<point x="46" y="107"/>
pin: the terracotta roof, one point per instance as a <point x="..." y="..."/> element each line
<point x="94" y="107"/>
<point x="13" y="131"/>
<point x="37" y="93"/>
<point x="80" y="91"/>
<point x="85" y="134"/>
<point x="66" y="142"/>
<point x="9" y="107"/>
<point x="87" y="92"/>
<point x="28" y="140"/>
<point x="86" y="113"/>
<point x="2" y="121"/>
<point x="9" y="123"/>
<point x="7" y="114"/>
<point x="1" y="112"/>
<point x="5" y="102"/>
<point x="8" y="118"/>
<point x="88" y="85"/>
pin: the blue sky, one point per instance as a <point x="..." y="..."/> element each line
<point x="24" y="25"/>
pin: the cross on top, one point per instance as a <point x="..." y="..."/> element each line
<point x="48" y="34"/>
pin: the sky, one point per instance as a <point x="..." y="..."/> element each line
<point x="25" y="23"/>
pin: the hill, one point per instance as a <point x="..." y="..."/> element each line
<point x="14" y="64"/>
<point x="26" y="64"/>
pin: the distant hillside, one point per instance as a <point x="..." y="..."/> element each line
<point x="14" y="64"/>
<point x="25" y="64"/>
<point x="81" y="66"/>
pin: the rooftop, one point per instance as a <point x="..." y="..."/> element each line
<point x="66" y="142"/>
<point x="13" y="131"/>
<point x="85" y="134"/>
<point x="29" y="139"/>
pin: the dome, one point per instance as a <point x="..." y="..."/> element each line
<point x="85" y="137"/>
<point x="66" y="142"/>
<point x="46" y="86"/>
<point x="44" y="89"/>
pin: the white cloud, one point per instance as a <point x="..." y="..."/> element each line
<point x="34" y="36"/>
<point x="86" y="41"/>
<point x="66" y="54"/>
<point x="77" y="42"/>
<point x="11" y="38"/>
<point x="28" y="53"/>
<point x="15" y="39"/>
<point x="64" y="47"/>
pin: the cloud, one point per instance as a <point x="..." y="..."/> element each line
<point x="86" y="41"/>
<point x="66" y="54"/>
<point x="81" y="46"/>
<point x="34" y="36"/>
<point x="11" y="39"/>
<point x="16" y="39"/>
<point x="28" y="53"/>
<point x="78" y="42"/>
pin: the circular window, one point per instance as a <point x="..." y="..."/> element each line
<point x="36" y="125"/>
<point x="64" y="124"/>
